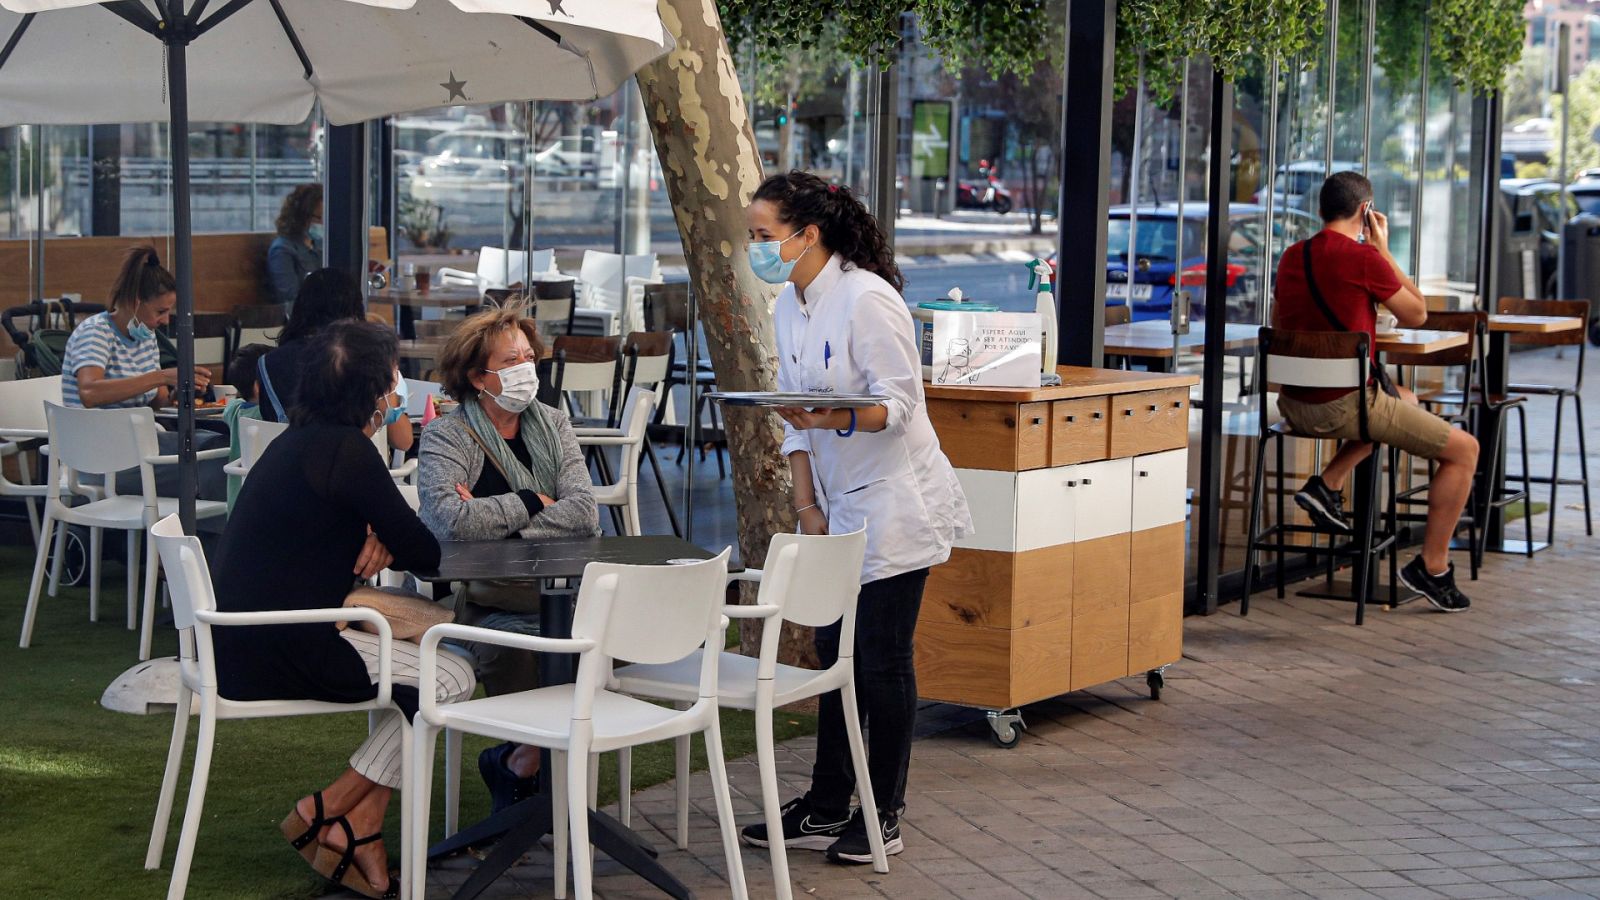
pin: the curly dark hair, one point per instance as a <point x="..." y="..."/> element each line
<point x="327" y="295"/>
<point x="347" y="369"/>
<point x="294" y="217"/>
<point x="141" y="279"/>
<point x="847" y="228"/>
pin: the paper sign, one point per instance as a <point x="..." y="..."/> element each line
<point x="991" y="349"/>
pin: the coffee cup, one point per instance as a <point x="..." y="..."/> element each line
<point x="1386" y="321"/>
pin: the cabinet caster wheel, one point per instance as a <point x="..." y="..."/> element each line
<point x="1156" y="681"/>
<point x="1005" y="729"/>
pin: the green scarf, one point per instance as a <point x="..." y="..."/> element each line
<point x="538" y="435"/>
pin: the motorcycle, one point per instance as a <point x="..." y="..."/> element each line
<point x="990" y="193"/>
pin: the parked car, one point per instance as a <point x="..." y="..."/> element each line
<point x="1298" y="184"/>
<point x="1156" y="267"/>
<point x="1585" y="191"/>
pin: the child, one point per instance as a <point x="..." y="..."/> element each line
<point x="242" y="375"/>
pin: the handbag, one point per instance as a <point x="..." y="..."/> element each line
<point x="409" y="614"/>
<point x="1379" y="373"/>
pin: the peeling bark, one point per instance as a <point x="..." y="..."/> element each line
<point x="707" y="147"/>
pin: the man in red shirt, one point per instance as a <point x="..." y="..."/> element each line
<point x="1354" y="273"/>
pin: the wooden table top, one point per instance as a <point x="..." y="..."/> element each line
<point x="436" y="295"/>
<point x="1153" y="338"/>
<point x="1076" y="381"/>
<point x="1534" y="324"/>
<point x="1418" y="340"/>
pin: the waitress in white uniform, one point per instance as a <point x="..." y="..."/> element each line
<point x="843" y="327"/>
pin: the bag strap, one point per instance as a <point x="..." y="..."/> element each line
<point x="1379" y="374"/>
<point x="266" y="382"/>
<point x="488" y="455"/>
<point x="1316" y="294"/>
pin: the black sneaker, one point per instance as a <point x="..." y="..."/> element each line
<point x="505" y="787"/>
<point x="852" y="847"/>
<point x="1439" y="590"/>
<point x="1325" y="507"/>
<point x="803" y="828"/>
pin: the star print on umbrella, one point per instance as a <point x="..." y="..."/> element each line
<point x="456" y="88"/>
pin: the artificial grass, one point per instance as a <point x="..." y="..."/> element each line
<point x="78" y="783"/>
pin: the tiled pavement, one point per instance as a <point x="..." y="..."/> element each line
<point x="1293" y="754"/>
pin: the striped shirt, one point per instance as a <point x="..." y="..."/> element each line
<point x="97" y="342"/>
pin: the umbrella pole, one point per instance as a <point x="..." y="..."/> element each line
<point x="183" y="269"/>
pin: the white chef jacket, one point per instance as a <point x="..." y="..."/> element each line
<point x="853" y="335"/>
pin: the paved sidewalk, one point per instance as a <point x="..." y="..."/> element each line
<point x="1293" y="754"/>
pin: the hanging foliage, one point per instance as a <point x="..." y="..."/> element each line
<point x="1477" y="41"/>
<point x="1009" y="37"/>
<point x="1229" y="32"/>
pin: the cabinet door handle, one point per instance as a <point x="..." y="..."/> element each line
<point x="1037" y="420"/>
<point x="1097" y="415"/>
<point x="1088" y="481"/>
<point x="1072" y="419"/>
<point x="1176" y="404"/>
<point x="1072" y="484"/>
<point x="1129" y="411"/>
<point x="1152" y="407"/>
<point x="1143" y="474"/>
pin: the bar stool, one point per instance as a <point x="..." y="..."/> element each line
<point x="1470" y="404"/>
<point x="1579" y="308"/>
<point x="1316" y="359"/>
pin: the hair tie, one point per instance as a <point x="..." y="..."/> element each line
<point x="833" y="189"/>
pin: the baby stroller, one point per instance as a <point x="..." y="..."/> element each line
<point x="40" y="330"/>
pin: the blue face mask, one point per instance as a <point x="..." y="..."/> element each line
<point x="392" y="414"/>
<point x="140" y="332"/>
<point x="314" y="232"/>
<point x="768" y="265"/>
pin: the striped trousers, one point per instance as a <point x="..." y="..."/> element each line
<point x="379" y="757"/>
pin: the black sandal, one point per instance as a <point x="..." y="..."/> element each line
<point x="340" y="868"/>
<point x="302" y="835"/>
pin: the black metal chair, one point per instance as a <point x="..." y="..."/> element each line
<point x="1562" y="392"/>
<point x="666" y="308"/>
<point x="1315" y="359"/>
<point x="1466" y="407"/>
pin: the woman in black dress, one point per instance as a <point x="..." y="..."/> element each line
<point x="318" y="512"/>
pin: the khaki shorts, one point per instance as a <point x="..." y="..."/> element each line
<point x="1390" y="421"/>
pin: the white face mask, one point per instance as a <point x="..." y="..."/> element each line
<point x="519" y="384"/>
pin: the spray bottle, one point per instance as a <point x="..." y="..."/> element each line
<point x="1039" y="277"/>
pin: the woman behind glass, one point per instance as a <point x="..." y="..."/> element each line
<point x="297" y="250"/>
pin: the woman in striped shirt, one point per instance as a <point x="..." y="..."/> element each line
<point x="112" y="358"/>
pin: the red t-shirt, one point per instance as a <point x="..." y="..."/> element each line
<point x="1353" y="277"/>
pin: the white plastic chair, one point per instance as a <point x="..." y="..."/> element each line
<point x="624" y="493"/>
<point x="498" y="268"/>
<point x="608" y="278"/>
<point x="646" y="614"/>
<point x="254" y="436"/>
<point x="22" y="419"/>
<point x="194" y="612"/>
<point x="809" y="580"/>
<point x="406" y="471"/>
<point x="104" y="442"/>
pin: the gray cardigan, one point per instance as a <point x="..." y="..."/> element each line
<point x="449" y="456"/>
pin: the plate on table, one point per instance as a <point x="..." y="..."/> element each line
<point x="199" y="411"/>
<point x="803" y="399"/>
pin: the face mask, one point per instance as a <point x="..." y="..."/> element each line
<point x="140" y="332"/>
<point x="519" y="384"/>
<point x="314" y="232"/>
<point x="768" y="265"/>
<point x="392" y="414"/>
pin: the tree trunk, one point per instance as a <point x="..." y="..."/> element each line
<point x="708" y="153"/>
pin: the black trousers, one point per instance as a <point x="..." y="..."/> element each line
<point x="886" y="692"/>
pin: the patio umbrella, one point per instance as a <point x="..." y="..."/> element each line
<point x="269" y="61"/>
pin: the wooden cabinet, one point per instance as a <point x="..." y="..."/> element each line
<point x="1073" y="575"/>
